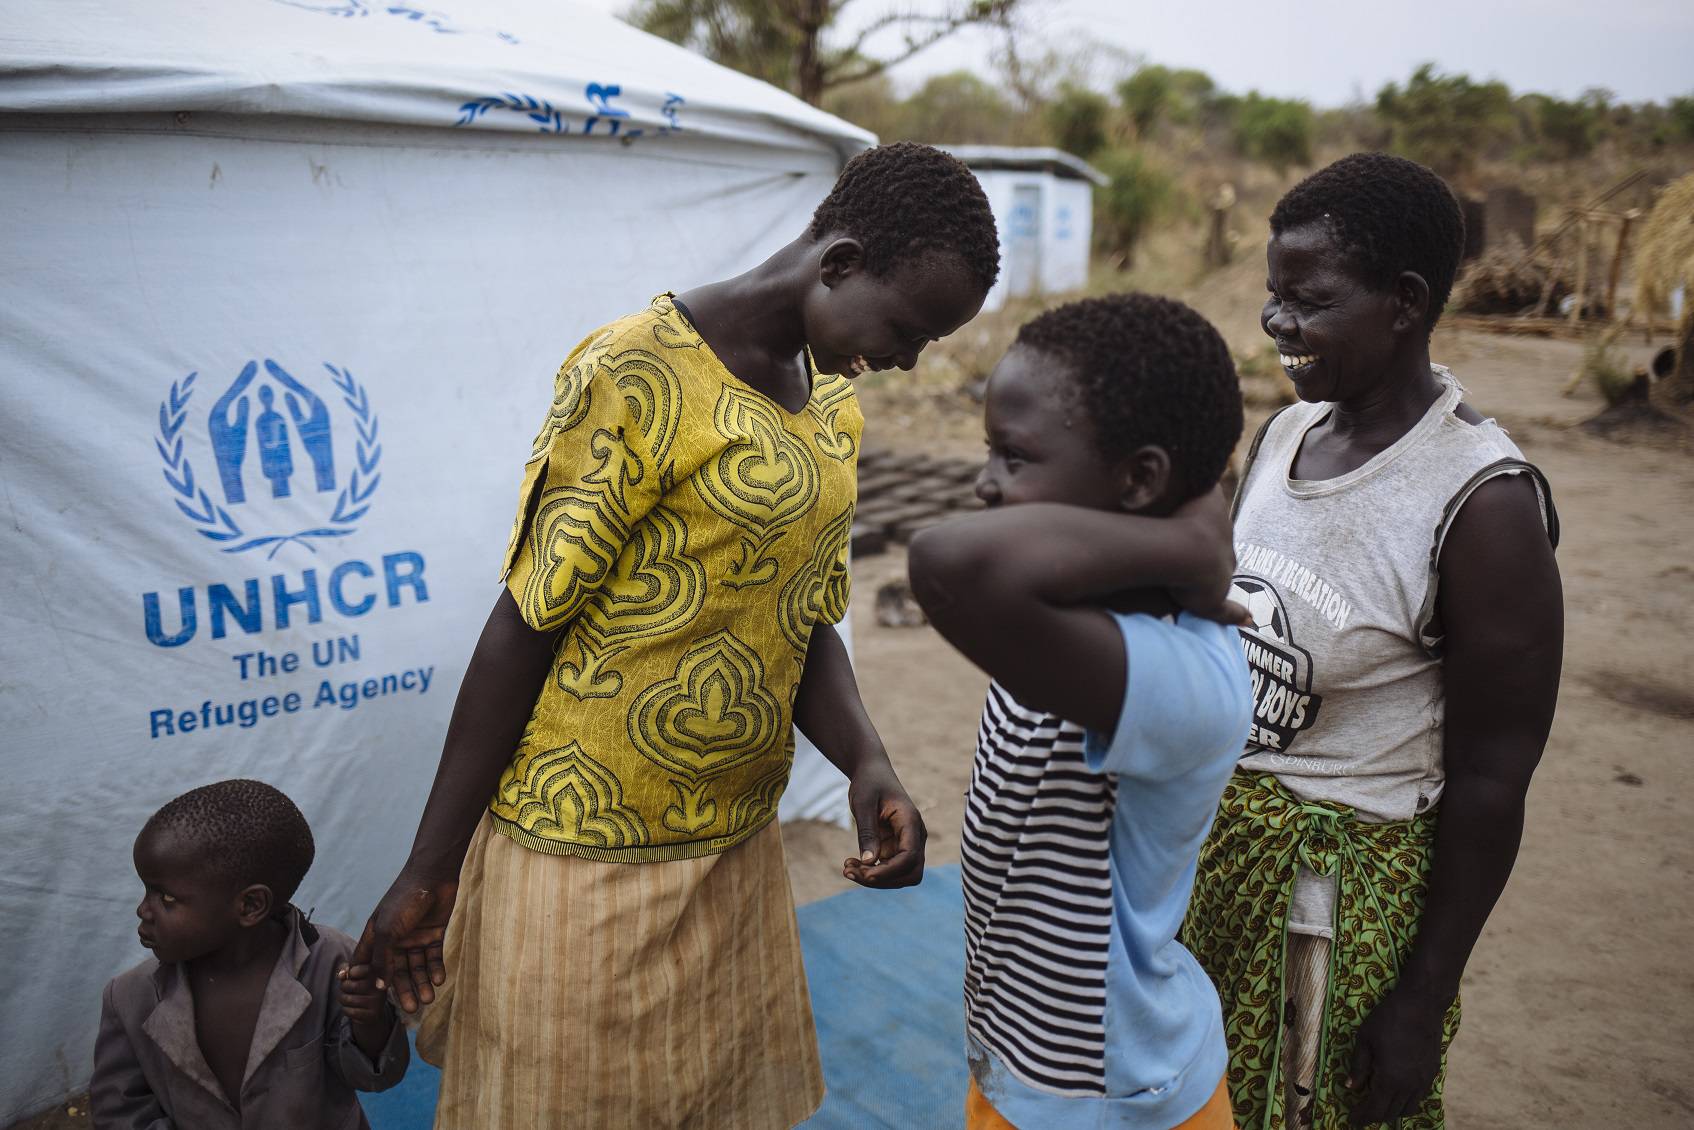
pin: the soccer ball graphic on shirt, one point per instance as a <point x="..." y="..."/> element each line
<point x="1283" y="700"/>
<point x="1261" y="601"/>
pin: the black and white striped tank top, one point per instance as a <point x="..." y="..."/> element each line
<point x="1035" y="864"/>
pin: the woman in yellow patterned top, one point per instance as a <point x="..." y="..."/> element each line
<point x="596" y="906"/>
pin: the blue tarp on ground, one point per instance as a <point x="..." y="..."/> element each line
<point x="886" y="969"/>
<point x="409" y="1106"/>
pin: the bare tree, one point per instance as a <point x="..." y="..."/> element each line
<point x="789" y="42"/>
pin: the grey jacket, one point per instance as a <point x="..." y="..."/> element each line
<point x="302" y="1069"/>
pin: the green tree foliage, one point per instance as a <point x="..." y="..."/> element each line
<point x="872" y="104"/>
<point x="961" y="109"/>
<point x="1136" y="192"/>
<point x="1183" y="96"/>
<point x="737" y="33"/>
<point x="1445" y="121"/>
<point x="1078" y="118"/>
<point x="1681" y="115"/>
<point x="1560" y="128"/>
<point x="785" y="43"/>
<point x="1145" y="95"/>
<point x="1277" y="131"/>
<point x="1193" y="97"/>
<point x="956" y="108"/>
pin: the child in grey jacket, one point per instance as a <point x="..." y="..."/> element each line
<point x="247" y="1015"/>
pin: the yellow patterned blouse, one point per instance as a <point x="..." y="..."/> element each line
<point x="686" y="533"/>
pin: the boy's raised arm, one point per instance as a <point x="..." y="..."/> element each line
<point x="1018" y="590"/>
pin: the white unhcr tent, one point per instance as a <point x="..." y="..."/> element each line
<point x="372" y="229"/>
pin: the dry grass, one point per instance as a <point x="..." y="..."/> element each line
<point x="1604" y="364"/>
<point x="1506" y="279"/>
<point x="1667" y="246"/>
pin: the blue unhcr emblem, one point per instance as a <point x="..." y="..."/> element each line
<point x="271" y="438"/>
<point x="537" y="110"/>
<point x="601" y="119"/>
<point x="439" y="22"/>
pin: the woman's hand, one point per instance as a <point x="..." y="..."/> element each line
<point x="402" y="940"/>
<point x="891" y="831"/>
<point x="829" y="711"/>
<point x="1396" y="1056"/>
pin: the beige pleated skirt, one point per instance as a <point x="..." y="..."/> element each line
<point x="610" y="995"/>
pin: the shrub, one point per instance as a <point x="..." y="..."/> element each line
<point x="1277" y="131"/>
<point x="1145" y="95"/>
<point x="1135" y="194"/>
<point x="1077" y="117"/>
<point x="1566" y="129"/>
<point x="1681" y="112"/>
<point x="957" y="108"/>
<point x="1445" y="121"/>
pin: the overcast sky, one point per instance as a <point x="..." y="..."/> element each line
<point x="1331" y="51"/>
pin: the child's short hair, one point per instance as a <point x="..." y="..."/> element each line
<point x="1148" y="370"/>
<point x="1390" y="214"/>
<point x="904" y="199"/>
<point x="251" y="831"/>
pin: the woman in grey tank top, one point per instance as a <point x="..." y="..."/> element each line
<point x="1395" y="553"/>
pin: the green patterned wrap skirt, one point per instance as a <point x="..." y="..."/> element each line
<point x="1237" y="928"/>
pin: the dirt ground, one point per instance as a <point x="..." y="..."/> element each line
<point x="1579" y="1001"/>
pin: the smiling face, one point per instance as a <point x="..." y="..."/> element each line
<point x="187" y="910"/>
<point x="1040" y="444"/>
<point x="856" y="321"/>
<point x="1336" y="333"/>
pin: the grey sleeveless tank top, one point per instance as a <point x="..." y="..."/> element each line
<point x="1340" y="576"/>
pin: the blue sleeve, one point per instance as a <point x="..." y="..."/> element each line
<point x="1188" y="699"/>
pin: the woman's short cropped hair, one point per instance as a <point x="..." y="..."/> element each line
<point x="1389" y="214"/>
<point x="902" y="200"/>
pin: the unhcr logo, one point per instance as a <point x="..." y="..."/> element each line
<point x="273" y="444"/>
<point x="273" y="462"/>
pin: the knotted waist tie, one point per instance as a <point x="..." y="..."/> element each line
<point x="1237" y="928"/>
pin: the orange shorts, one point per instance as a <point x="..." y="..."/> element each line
<point x="1215" y="1115"/>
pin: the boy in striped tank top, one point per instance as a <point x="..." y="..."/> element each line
<point x="1118" y="708"/>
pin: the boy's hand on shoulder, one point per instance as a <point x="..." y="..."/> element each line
<point x="1206" y="520"/>
<point x="891" y="830"/>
